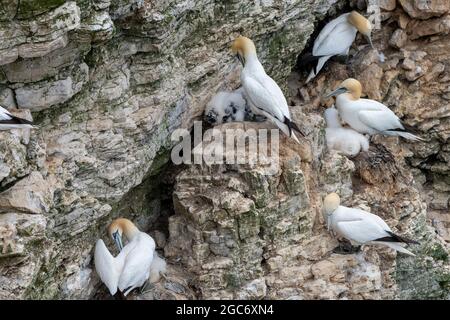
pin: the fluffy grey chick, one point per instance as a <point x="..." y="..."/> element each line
<point x="226" y="106"/>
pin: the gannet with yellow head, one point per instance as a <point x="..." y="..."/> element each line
<point x="136" y="262"/>
<point x="263" y="94"/>
<point x="337" y="37"/>
<point x="366" y="115"/>
<point x="361" y="227"/>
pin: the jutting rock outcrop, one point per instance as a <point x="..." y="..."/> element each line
<point x="107" y="82"/>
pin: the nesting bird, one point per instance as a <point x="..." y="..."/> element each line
<point x="366" y="115"/>
<point x="264" y="95"/>
<point x="226" y="107"/>
<point x="337" y="37"/>
<point x="134" y="265"/>
<point x="8" y="121"/>
<point x="345" y="140"/>
<point x="361" y="227"/>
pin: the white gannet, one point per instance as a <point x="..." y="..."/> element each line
<point x="345" y="140"/>
<point x="226" y="106"/>
<point x="366" y="115"/>
<point x="8" y="121"/>
<point x="135" y="262"/>
<point x="361" y="227"/>
<point x="263" y="94"/>
<point x="337" y="37"/>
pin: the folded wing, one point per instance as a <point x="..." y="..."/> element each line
<point x="107" y="266"/>
<point x="136" y="269"/>
<point x="336" y="39"/>
<point x="267" y="96"/>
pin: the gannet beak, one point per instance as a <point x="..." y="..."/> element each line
<point x="241" y="59"/>
<point x="336" y="92"/>
<point x="369" y="39"/>
<point x="118" y="240"/>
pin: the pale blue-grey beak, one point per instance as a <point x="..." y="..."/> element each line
<point x="118" y="240"/>
<point x="241" y="59"/>
<point x="369" y="39"/>
<point x="336" y="92"/>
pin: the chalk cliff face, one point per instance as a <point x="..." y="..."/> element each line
<point x="108" y="81"/>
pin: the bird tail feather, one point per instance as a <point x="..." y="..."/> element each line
<point x="320" y="63"/>
<point x="396" y="247"/>
<point x="307" y="59"/>
<point x="402" y="239"/>
<point x="293" y="136"/>
<point x="284" y="127"/>
<point x="406" y="135"/>
<point x="310" y="76"/>
<point x="292" y="126"/>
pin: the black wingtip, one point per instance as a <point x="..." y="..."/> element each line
<point x="409" y="128"/>
<point x="292" y="126"/>
<point x="307" y="59"/>
<point x="16" y="120"/>
<point x="396" y="238"/>
<point x="22" y="120"/>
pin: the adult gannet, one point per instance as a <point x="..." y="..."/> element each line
<point x="264" y="95"/>
<point x="226" y="106"/>
<point x="135" y="262"/>
<point x="366" y="115"/>
<point x="8" y="121"/>
<point x="337" y="37"/>
<point x="344" y="140"/>
<point x="361" y="227"/>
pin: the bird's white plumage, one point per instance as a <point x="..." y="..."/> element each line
<point x="358" y="225"/>
<point x="335" y="38"/>
<point x="344" y="140"/>
<point x="370" y="116"/>
<point x="108" y="267"/>
<point x="264" y="95"/>
<point x="226" y="106"/>
<point x="4" y="114"/>
<point x="130" y="269"/>
<point x="362" y="227"/>
<point x="136" y="269"/>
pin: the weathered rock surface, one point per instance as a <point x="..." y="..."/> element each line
<point x="107" y="82"/>
<point x="413" y="82"/>
<point x="254" y="232"/>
